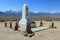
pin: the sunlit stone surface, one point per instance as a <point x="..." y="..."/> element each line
<point x="26" y="19"/>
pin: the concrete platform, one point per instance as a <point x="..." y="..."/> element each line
<point x="39" y="29"/>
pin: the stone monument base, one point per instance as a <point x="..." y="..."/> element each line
<point x="28" y="31"/>
<point x="39" y="29"/>
<point x="28" y="34"/>
<point x="26" y="26"/>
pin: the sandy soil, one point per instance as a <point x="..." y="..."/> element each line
<point x="7" y="33"/>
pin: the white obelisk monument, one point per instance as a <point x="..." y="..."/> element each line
<point x="26" y="19"/>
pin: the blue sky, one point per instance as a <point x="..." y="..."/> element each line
<point x="34" y="5"/>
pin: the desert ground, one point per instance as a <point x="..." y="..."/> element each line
<point x="6" y="33"/>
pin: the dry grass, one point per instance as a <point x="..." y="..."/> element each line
<point x="2" y="19"/>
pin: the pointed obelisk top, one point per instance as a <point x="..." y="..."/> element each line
<point x="25" y="5"/>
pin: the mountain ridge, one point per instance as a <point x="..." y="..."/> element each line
<point x="19" y="13"/>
